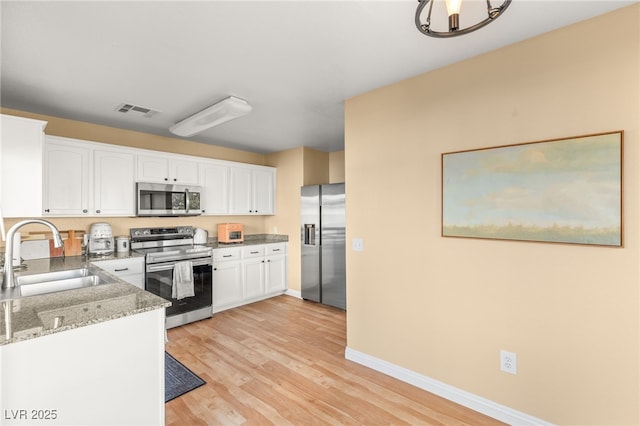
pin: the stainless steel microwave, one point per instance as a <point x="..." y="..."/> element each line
<point x="159" y="199"/>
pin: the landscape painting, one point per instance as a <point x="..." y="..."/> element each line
<point x="559" y="191"/>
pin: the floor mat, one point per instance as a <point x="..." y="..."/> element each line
<point x="178" y="379"/>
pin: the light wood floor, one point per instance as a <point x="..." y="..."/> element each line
<point x="281" y="362"/>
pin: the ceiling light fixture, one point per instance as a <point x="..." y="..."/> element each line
<point x="221" y="112"/>
<point x="453" y="10"/>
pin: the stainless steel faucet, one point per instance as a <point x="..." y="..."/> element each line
<point x="8" y="279"/>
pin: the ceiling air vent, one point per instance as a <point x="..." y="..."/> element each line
<point x="136" y="110"/>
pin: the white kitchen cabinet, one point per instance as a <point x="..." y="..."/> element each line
<point x="21" y="166"/>
<point x="66" y="178"/>
<point x="114" y="183"/>
<point x="214" y="178"/>
<point x="227" y="279"/>
<point x="253" y="272"/>
<point x="276" y="269"/>
<point x="252" y="190"/>
<point x="163" y="169"/>
<point x="130" y="269"/>
<point x="247" y="274"/>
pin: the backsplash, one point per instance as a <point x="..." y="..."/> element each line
<point x="121" y="225"/>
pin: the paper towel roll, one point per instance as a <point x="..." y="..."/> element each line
<point x="16" y="249"/>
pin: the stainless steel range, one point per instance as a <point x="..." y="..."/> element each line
<point x="165" y="250"/>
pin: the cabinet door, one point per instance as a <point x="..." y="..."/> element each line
<point x="214" y="179"/>
<point x="227" y="285"/>
<point x="276" y="280"/>
<point x="153" y="169"/>
<point x="253" y="277"/>
<point x="263" y="191"/>
<point x="114" y="183"/>
<point x="21" y="166"/>
<point x="183" y="172"/>
<point x="240" y="191"/>
<point x="66" y="179"/>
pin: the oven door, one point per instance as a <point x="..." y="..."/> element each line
<point x="159" y="281"/>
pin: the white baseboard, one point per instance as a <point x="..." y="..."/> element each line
<point x="293" y="293"/>
<point x="459" y="396"/>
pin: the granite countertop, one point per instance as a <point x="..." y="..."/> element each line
<point x="249" y="240"/>
<point x="34" y="316"/>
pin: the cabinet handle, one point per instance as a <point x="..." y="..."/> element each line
<point x="215" y="269"/>
<point x="254" y="252"/>
<point x="46" y="210"/>
<point x="84" y="210"/>
<point x="276" y="250"/>
<point x="175" y="180"/>
<point x="120" y="270"/>
<point x="166" y="179"/>
<point x="227" y="255"/>
<point x="97" y="211"/>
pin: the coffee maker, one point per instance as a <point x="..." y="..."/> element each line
<point x="100" y="239"/>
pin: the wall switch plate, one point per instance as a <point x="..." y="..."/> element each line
<point x="508" y="362"/>
<point x="357" y="244"/>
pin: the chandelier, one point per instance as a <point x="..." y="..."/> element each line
<point x="453" y="10"/>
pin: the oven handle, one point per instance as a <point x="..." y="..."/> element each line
<point x="167" y="266"/>
<point x="186" y="195"/>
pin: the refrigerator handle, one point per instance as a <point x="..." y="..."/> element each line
<point x="310" y="234"/>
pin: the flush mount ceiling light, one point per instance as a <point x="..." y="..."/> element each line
<point x="453" y="10"/>
<point x="221" y="112"/>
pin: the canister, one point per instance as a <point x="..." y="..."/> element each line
<point x="122" y="244"/>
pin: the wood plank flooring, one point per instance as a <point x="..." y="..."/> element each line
<point x="281" y="362"/>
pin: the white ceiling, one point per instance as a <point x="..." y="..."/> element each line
<point x="294" y="61"/>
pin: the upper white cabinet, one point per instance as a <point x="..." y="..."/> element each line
<point x="66" y="178"/>
<point x="87" y="179"/>
<point x="114" y="188"/>
<point x="163" y="169"/>
<point x="214" y="178"/>
<point x="252" y="190"/>
<point x="72" y="177"/>
<point x="21" y="166"/>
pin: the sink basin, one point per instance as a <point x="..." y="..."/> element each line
<point x="31" y="285"/>
<point x="52" y="276"/>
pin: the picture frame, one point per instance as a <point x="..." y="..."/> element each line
<point x="567" y="190"/>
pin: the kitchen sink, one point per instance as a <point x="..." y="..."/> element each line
<point x="51" y="282"/>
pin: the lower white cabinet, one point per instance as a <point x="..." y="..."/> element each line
<point x="130" y="269"/>
<point x="276" y="269"/>
<point x="247" y="274"/>
<point x="227" y="279"/>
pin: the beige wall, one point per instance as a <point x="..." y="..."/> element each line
<point x="444" y="307"/>
<point x="336" y="167"/>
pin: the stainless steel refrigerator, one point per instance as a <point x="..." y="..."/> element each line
<point x="323" y="244"/>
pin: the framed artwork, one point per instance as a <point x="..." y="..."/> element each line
<point x="557" y="191"/>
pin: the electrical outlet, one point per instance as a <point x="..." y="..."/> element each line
<point x="357" y="244"/>
<point x="508" y="362"/>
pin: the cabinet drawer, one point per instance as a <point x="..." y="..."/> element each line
<point x="222" y="255"/>
<point x="122" y="266"/>
<point x="276" y="248"/>
<point x="253" y="251"/>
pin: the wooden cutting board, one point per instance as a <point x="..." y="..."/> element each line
<point x="72" y="245"/>
<point x="55" y="251"/>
